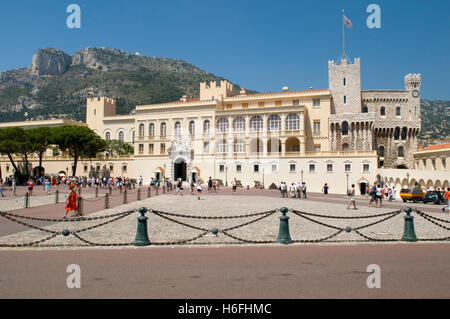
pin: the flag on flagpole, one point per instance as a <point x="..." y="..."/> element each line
<point x="347" y="22"/>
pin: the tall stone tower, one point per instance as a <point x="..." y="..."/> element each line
<point x="345" y="86"/>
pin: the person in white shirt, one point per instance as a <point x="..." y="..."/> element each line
<point x="293" y="190"/>
<point x="352" y="198"/>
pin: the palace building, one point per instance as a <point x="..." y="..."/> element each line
<point x="340" y="135"/>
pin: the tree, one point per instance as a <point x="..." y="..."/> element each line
<point x="78" y="141"/>
<point x="117" y="147"/>
<point x="41" y="138"/>
<point x="16" y="141"/>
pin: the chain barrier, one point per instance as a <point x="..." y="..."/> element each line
<point x="212" y="217"/>
<point x="226" y="231"/>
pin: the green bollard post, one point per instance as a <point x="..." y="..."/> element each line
<point x="138" y="196"/>
<point x="57" y="197"/>
<point x="142" y="234"/>
<point x="125" y="199"/>
<point x="106" y="201"/>
<point x="283" y="235"/>
<point x="149" y="192"/>
<point x="409" y="234"/>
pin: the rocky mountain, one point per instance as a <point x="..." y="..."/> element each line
<point x="435" y="122"/>
<point x="57" y="84"/>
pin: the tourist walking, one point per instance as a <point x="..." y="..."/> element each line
<point x="71" y="202"/>
<point x="304" y="189"/>
<point x="299" y="190"/>
<point x="14" y="186"/>
<point x="233" y="186"/>
<point x="379" y="196"/>
<point x="179" y="187"/>
<point x="293" y="190"/>
<point x="325" y="190"/>
<point x="192" y="184"/>
<point x="30" y="187"/>
<point x="199" y="190"/>
<point x="373" y="194"/>
<point x="210" y="184"/>
<point x="447" y="198"/>
<point x="47" y="186"/>
<point x="283" y="190"/>
<point x="352" y="197"/>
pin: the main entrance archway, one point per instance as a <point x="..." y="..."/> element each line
<point x="179" y="169"/>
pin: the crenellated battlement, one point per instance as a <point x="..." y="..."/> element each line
<point x="413" y="81"/>
<point x="215" y="90"/>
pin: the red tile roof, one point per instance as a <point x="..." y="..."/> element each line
<point x="436" y="147"/>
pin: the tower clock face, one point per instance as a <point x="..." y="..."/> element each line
<point x="415" y="93"/>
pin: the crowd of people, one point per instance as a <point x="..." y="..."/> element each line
<point x="296" y="190"/>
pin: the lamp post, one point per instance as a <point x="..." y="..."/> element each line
<point x="302" y="175"/>
<point x="407" y="178"/>
<point x="226" y="175"/>
<point x="263" y="176"/>
<point x="347" y="180"/>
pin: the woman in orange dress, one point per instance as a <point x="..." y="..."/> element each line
<point x="71" y="201"/>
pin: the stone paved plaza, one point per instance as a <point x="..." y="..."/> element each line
<point x="161" y="230"/>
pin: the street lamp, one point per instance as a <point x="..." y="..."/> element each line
<point x="347" y="180"/>
<point x="407" y="178"/>
<point x="263" y="176"/>
<point x="226" y="175"/>
<point x="302" y="175"/>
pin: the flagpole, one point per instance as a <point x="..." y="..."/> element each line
<point x="343" y="35"/>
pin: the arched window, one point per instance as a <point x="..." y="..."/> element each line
<point x="177" y="128"/>
<point x="192" y="128"/>
<point x="239" y="146"/>
<point x="381" y="151"/>
<point x="163" y="130"/>
<point x="345" y="147"/>
<point x="222" y="125"/>
<point x="141" y="130"/>
<point x="108" y="136"/>
<point x="383" y="111"/>
<point x="274" y="123"/>
<point x="292" y="122"/>
<point x="121" y="136"/>
<point x="398" y="111"/>
<point x="344" y="128"/>
<point x="151" y="130"/>
<point x="404" y="133"/>
<point x="256" y="123"/>
<point x="206" y="128"/>
<point x="401" y="151"/>
<point x="221" y="146"/>
<point x="397" y="133"/>
<point x="239" y="124"/>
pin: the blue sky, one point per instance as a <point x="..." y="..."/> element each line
<point x="262" y="45"/>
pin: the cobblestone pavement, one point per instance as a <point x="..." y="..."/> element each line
<point x="265" y="230"/>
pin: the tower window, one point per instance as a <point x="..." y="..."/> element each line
<point x="345" y="99"/>
<point x="345" y="81"/>
<point x="344" y="128"/>
<point x="382" y="111"/>
<point x="398" y="111"/>
<point x="400" y="152"/>
<point x="364" y="109"/>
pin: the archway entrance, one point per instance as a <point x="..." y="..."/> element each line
<point x="179" y="169"/>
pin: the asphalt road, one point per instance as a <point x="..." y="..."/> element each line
<point x="408" y="270"/>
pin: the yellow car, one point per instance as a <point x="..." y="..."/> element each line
<point x="414" y="195"/>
